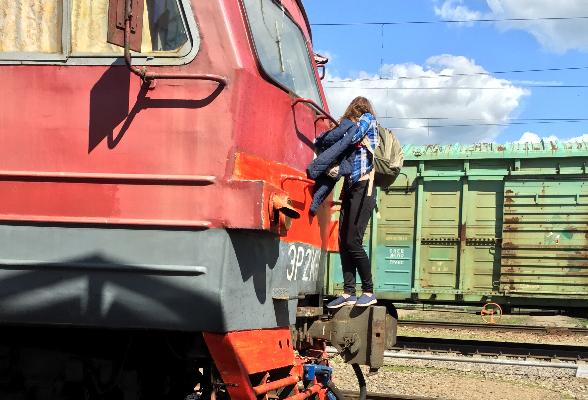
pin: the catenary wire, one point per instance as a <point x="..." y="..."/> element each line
<point x="480" y="124"/>
<point x="534" y="120"/>
<point x="460" y="74"/>
<point x="481" y="119"/>
<point x="449" y="21"/>
<point x="460" y="87"/>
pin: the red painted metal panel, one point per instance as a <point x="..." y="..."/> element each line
<point x="90" y="144"/>
<point x="240" y="354"/>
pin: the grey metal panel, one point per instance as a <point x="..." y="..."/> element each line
<point x="191" y="280"/>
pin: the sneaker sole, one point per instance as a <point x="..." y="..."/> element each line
<point x="347" y="303"/>
<point x="366" y="304"/>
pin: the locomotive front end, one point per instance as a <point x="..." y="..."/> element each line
<point x="156" y="240"/>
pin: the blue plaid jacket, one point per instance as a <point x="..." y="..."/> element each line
<point x="362" y="159"/>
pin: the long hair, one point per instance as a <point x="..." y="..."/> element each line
<point x="358" y="106"/>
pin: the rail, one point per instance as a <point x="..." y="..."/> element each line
<point x="351" y="395"/>
<point x="492" y="348"/>
<point x="494" y="327"/>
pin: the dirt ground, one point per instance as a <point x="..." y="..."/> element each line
<point x="462" y="381"/>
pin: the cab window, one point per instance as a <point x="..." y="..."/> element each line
<point x="163" y="27"/>
<point x="31" y="26"/>
<point x="36" y="27"/>
<point x="281" y="48"/>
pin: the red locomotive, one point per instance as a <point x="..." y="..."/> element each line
<point x="153" y="201"/>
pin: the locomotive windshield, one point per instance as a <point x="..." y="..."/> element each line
<point x="37" y="26"/>
<point x="281" y="48"/>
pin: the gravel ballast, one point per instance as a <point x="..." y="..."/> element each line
<point x="467" y="381"/>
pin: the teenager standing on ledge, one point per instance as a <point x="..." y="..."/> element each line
<point x="358" y="203"/>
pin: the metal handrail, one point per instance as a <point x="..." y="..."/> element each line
<point x="316" y="107"/>
<point x="151" y="76"/>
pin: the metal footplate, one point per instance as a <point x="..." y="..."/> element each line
<point x="360" y="334"/>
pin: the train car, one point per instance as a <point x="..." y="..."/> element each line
<point x="471" y="224"/>
<point x="155" y="240"/>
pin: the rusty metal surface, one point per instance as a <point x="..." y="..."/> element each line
<point x="117" y="23"/>
<point x="494" y="150"/>
<point x="545" y="238"/>
<point x="360" y="334"/>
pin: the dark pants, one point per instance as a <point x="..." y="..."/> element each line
<point x="356" y="212"/>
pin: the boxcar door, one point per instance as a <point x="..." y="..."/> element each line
<point x="439" y="249"/>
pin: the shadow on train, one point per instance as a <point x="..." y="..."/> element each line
<point x="256" y="257"/>
<point x="109" y="105"/>
<point x="80" y="290"/>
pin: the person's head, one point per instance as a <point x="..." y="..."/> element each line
<point x="358" y="106"/>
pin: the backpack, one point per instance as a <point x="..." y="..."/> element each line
<point x="388" y="158"/>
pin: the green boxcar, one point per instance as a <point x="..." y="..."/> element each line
<point x="480" y="223"/>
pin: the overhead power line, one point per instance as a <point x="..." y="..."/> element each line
<point x="481" y="119"/>
<point x="462" y="74"/>
<point x="459" y="87"/>
<point x="457" y="125"/>
<point x="449" y="21"/>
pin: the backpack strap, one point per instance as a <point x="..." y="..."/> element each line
<point x="366" y="142"/>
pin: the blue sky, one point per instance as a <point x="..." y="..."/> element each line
<point x="410" y="50"/>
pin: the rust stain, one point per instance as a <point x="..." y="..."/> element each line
<point x="500" y="147"/>
<point x="512" y="220"/>
<point x="462" y="233"/>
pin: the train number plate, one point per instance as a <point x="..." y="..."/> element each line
<point x="303" y="263"/>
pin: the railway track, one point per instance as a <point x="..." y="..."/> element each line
<point x="495" y="327"/>
<point x="350" y="395"/>
<point x="491" y="348"/>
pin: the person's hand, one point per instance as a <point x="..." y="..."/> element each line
<point x="333" y="171"/>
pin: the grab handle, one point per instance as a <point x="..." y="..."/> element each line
<point x="318" y="108"/>
<point x="149" y="77"/>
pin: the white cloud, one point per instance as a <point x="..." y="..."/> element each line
<point x="532" y="137"/>
<point x="557" y="36"/>
<point x="455" y="10"/>
<point x="409" y="102"/>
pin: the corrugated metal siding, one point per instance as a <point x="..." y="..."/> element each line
<point x="440" y="235"/>
<point x="482" y="227"/>
<point x="486" y="151"/>
<point x="545" y="243"/>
